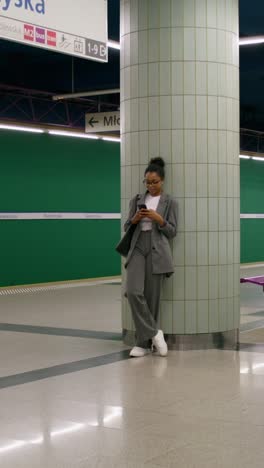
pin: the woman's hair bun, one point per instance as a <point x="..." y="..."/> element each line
<point x="157" y="162"/>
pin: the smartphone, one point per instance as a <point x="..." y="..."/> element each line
<point x="142" y="207"/>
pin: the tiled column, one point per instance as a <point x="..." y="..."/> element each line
<point x="180" y="100"/>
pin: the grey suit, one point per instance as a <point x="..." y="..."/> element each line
<point x="148" y="260"/>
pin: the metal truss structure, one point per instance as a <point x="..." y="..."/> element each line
<point x="32" y="106"/>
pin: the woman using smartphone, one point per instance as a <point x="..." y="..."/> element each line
<point x="150" y="258"/>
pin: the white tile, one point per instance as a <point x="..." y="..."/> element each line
<point x="190" y="317"/>
<point x="212" y="14"/>
<point x="201" y="44"/>
<point x="213" y="248"/>
<point x="143" y="147"/>
<point x="212" y="113"/>
<point x="178" y="308"/>
<point x="189" y="44"/>
<point x="166" y="316"/>
<point x="202" y="317"/>
<point x="154" y="111"/>
<point x="181" y="214"/>
<point x="202" y="214"/>
<point x="177" y="77"/>
<point x="213" y="214"/>
<point x="200" y="14"/>
<point x="154" y="142"/>
<point x="167" y="289"/>
<point x="230" y="214"/>
<point x="189" y="146"/>
<point x="143" y="15"/>
<point x="165" y="113"/>
<point x="202" y="248"/>
<point x="178" y="180"/>
<point x="143" y="114"/>
<point x="213" y="282"/>
<point x="230" y="313"/>
<point x="222" y="181"/>
<point x="134" y="48"/>
<point x="165" y="44"/>
<point x="128" y="181"/>
<point x="127" y="51"/>
<point x="190" y="283"/>
<point x="222" y="214"/>
<point x="153" y="45"/>
<point x="127" y="149"/>
<point x="236" y="247"/>
<point x="203" y="283"/>
<point x="153" y="14"/>
<point x="165" y="147"/>
<point x="222" y="80"/>
<point x="134" y="16"/>
<point x="127" y="18"/>
<point x="143" y="47"/>
<point x="134" y="82"/>
<point x="136" y="179"/>
<point x="230" y="247"/>
<point x="143" y="80"/>
<point x="190" y="180"/>
<point x="213" y="180"/>
<point x="221" y="46"/>
<point x="211" y="45"/>
<point x="230" y="280"/>
<point x="223" y="314"/>
<point x="222" y="281"/>
<point x="190" y="249"/>
<point x="165" y="14"/>
<point x="179" y="250"/>
<point x="212" y="146"/>
<point x="177" y="112"/>
<point x="177" y="13"/>
<point x="127" y="83"/>
<point x="222" y="248"/>
<point x="222" y="147"/>
<point x="202" y="149"/>
<point x="178" y="283"/>
<point x="222" y="114"/>
<point x="213" y="315"/>
<point x="165" y="79"/>
<point x="201" y="112"/>
<point x="189" y="78"/>
<point x="212" y="79"/>
<point x="177" y="44"/>
<point x="229" y="147"/>
<point x="154" y="79"/>
<point x="189" y="13"/>
<point x="134" y="115"/>
<point x="236" y="218"/>
<point x="201" y="78"/>
<point x="177" y="146"/>
<point x="127" y="127"/>
<point x="134" y="142"/>
<point x="190" y="214"/>
<point x="221" y="15"/>
<point x="202" y="180"/>
<point x="189" y="112"/>
<point x="229" y="43"/>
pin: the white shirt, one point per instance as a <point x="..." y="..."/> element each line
<point x="152" y="204"/>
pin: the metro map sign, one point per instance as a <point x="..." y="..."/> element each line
<point x="75" y="27"/>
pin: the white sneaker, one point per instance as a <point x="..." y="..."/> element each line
<point x="160" y="344"/>
<point x="138" y="352"/>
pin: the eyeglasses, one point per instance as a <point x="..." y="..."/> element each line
<point x="151" y="182"/>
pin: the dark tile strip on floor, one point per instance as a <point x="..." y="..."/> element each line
<point x="99" y="335"/>
<point x="62" y="369"/>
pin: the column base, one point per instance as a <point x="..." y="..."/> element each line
<point x="218" y="340"/>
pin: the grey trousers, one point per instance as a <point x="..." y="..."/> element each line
<point x="143" y="291"/>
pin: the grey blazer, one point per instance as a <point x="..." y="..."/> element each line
<point x="162" y="261"/>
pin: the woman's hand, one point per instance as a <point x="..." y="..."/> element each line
<point x="153" y="215"/>
<point x="137" y="217"/>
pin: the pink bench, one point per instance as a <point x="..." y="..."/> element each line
<point x="259" y="280"/>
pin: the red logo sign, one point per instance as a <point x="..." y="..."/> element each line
<point x="52" y="38"/>
<point x="28" y="32"/>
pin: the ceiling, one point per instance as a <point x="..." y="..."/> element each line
<point x="30" y="76"/>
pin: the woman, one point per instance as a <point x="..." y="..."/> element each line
<point x="149" y="258"/>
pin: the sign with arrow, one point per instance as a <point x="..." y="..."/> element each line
<point x="102" y="122"/>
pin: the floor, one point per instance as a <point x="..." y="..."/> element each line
<point x="70" y="397"/>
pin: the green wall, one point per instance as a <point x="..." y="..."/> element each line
<point x="44" y="173"/>
<point x="252" y="201"/>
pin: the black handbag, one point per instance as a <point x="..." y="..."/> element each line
<point x="123" y="246"/>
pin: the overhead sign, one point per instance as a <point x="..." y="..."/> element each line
<point x="75" y="27"/>
<point x="102" y="122"/>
